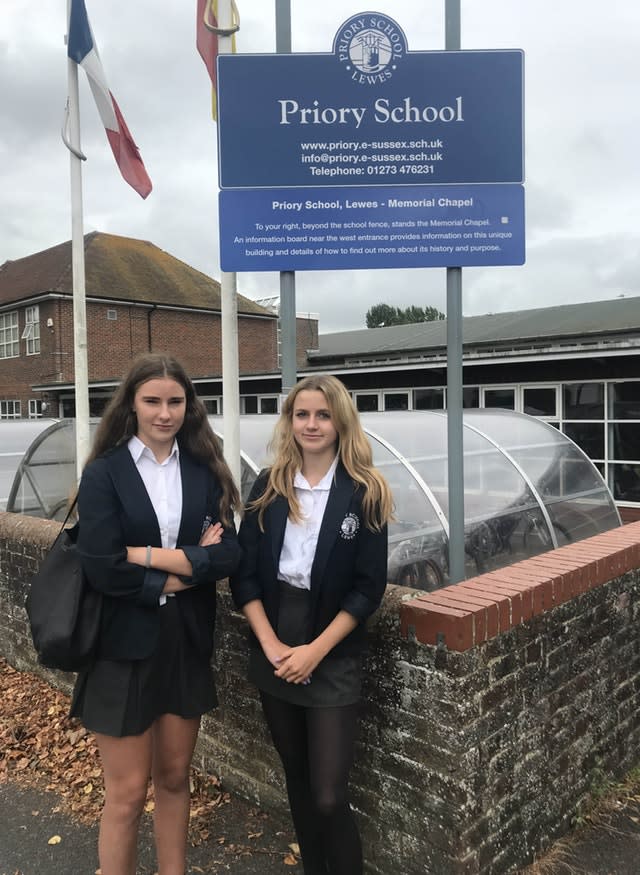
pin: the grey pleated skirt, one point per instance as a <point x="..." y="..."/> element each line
<point x="336" y="681"/>
<point x="124" y="697"/>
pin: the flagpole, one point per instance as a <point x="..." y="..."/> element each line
<point x="229" y="319"/>
<point x="81" y="374"/>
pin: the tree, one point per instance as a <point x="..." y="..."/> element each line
<point x="383" y="315"/>
<point x="432" y="314"/>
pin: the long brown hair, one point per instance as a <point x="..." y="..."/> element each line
<point x="353" y="449"/>
<point x="119" y="423"/>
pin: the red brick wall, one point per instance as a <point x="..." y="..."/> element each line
<point x="194" y="338"/>
<point x="306" y="338"/>
<point x="258" y="342"/>
<point x="629" y="514"/>
<point x="17" y="375"/>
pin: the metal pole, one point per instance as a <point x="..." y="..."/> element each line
<point x="454" y="370"/>
<point x="229" y="322"/>
<point x="81" y="371"/>
<point x="288" y="346"/>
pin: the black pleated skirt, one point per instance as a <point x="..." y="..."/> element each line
<point x="124" y="697"/>
<point x="336" y="681"/>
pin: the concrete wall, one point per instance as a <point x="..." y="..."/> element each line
<point x="491" y="708"/>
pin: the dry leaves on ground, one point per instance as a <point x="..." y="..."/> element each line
<point x="41" y="745"/>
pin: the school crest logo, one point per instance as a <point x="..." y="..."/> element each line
<point x="349" y="527"/>
<point x="369" y="46"/>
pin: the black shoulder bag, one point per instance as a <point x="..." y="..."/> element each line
<point x="64" y="610"/>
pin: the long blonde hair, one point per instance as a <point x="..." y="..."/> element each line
<point x="353" y="449"/>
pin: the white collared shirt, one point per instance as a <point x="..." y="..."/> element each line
<point x="301" y="539"/>
<point x="163" y="483"/>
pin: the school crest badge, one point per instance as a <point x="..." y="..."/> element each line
<point x="349" y="527"/>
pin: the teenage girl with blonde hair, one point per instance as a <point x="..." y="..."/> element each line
<point x="314" y="566"/>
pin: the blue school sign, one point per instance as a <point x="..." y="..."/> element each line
<point x="369" y="113"/>
<point x="363" y="228"/>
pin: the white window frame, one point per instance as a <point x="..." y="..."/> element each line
<point x="490" y="388"/>
<point x="31" y="331"/>
<point x="35" y="408"/>
<point x="442" y="389"/>
<point x="9" y="336"/>
<point x="520" y="399"/>
<point x="406" y="392"/>
<point x="269" y="397"/>
<point x="10" y="409"/>
<point x="378" y="394"/>
<point x="218" y="402"/>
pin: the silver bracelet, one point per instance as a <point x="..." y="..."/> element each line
<point x="147" y="561"/>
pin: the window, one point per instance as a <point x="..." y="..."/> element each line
<point x="584" y="401"/>
<point x="249" y="404"/>
<point x="367" y="402"/>
<point x="31" y="331"/>
<point x="259" y="404"/>
<point x="112" y="315"/>
<point x="428" y="399"/>
<point x="625" y="400"/>
<point x="588" y="435"/>
<point x="396" y="400"/>
<point x="9" y="410"/>
<point x="212" y="406"/>
<point x="470" y="396"/>
<point x="539" y="400"/>
<point x="625" y="441"/>
<point x="9" y="340"/>
<point x="35" y="408"/>
<point x="269" y="404"/>
<point x="503" y="398"/>
<point x="624" y="481"/>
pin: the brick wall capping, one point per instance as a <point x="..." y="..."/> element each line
<point x="19" y="528"/>
<point x="467" y="613"/>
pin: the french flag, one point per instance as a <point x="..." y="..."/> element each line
<point x="82" y="49"/>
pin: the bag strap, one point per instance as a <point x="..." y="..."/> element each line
<point x="66" y="519"/>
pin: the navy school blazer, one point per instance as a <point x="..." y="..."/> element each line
<point x="115" y="511"/>
<point x="349" y="570"/>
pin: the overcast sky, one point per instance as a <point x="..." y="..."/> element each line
<point x="582" y="122"/>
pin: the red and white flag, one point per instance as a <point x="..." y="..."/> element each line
<point x="83" y="50"/>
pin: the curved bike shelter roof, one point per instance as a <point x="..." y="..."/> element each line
<point x="528" y="487"/>
<point x="16" y="436"/>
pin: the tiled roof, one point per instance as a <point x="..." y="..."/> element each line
<point x="116" y="268"/>
<point x="586" y="321"/>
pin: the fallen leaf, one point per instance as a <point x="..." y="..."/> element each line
<point x="290" y="860"/>
<point x="295" y="848"/>
<point x="54" y="840"/>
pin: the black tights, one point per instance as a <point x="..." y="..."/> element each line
<point x="316" y="749"/>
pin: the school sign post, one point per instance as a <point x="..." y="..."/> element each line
<point x="371" y="155"/>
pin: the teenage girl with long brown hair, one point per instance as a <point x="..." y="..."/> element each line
<point x="155" y="503"/>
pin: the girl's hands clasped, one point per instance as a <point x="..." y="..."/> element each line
<point x="297" y="663"/>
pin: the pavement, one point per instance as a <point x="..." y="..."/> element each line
<point x="245" y="841"/>
<point x="38" y="838"/>
<point x="609" y="845"/>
